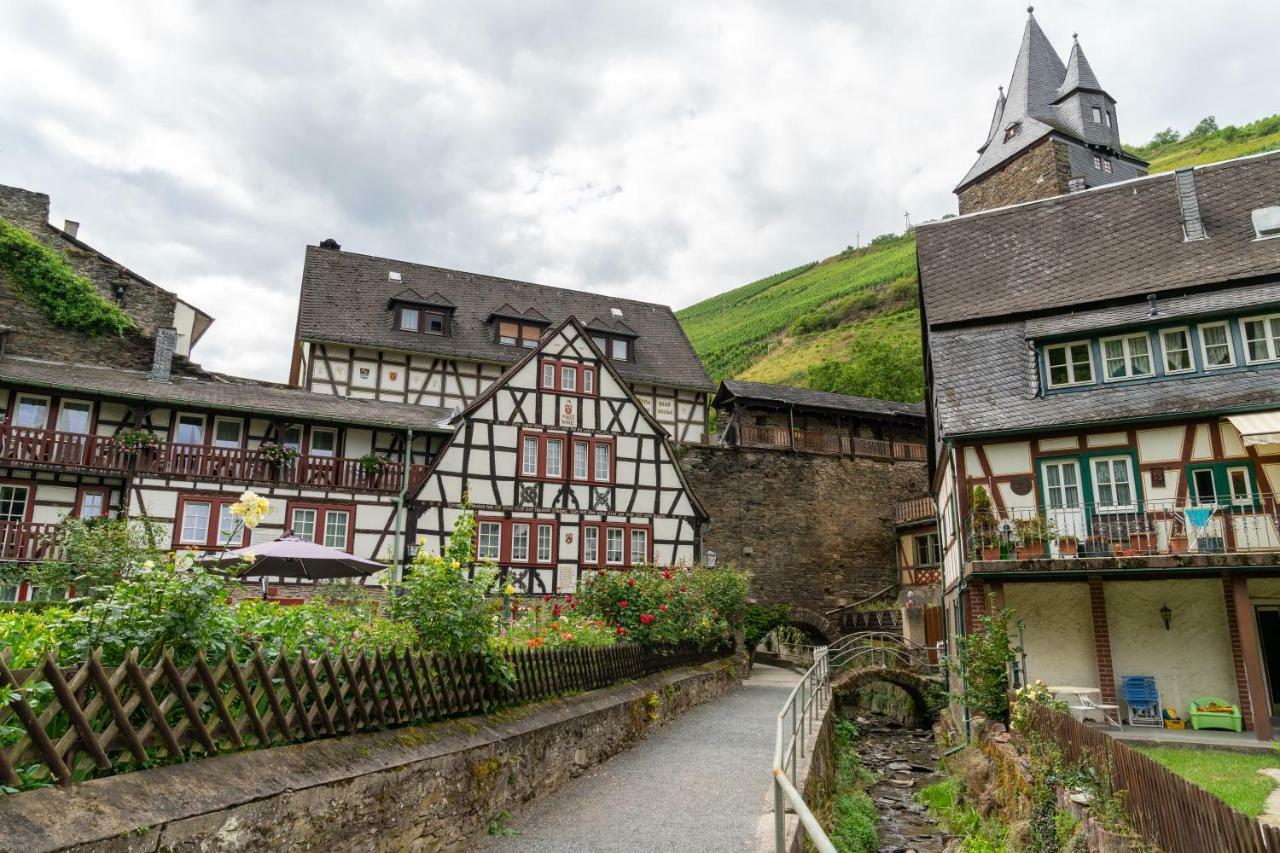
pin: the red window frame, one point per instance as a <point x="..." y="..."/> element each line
<point x="105" y="491"/>
<point x="601" y="560"/>
<point x="212" y="535"/>
<point x="569" y="442"/>
<point x="506" y="528"/>
<point x="321" y="508"/>
<point x="579" y="369"/>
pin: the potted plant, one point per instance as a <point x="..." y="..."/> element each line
<point x="1178" y="542"/>
<point x="277" y="454"/>
<point x="984" y="524"/>
<point x="1068" y="546"/>
<point x="373" y="464"/>
<point x="136" y="441"/>
<point x="1032" y="535"/>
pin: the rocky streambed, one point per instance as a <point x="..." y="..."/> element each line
<point x="904" y="760"/>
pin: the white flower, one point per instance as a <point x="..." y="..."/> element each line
<point x="148" y="564"/>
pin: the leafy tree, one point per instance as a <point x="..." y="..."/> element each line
<point x="879" y="365"/>
<point x="1207" y="127"/>
<point x="985" y="655"/>
<point x="98" y="552"/>
<point x="1168" y="136"/>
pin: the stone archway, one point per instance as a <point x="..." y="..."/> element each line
<point x="916" y="686"/>
<point x="814" y="624"/>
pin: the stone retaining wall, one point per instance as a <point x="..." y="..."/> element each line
<point x="428" y="788"/>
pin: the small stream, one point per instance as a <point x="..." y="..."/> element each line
<point x="905" y="759"/>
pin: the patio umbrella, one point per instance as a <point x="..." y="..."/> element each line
<point x="291" y="557"/>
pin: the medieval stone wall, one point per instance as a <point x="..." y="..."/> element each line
<point x="33" y="335"/>
<point x="1042" y="171"/>
<point x="816" y="531"/>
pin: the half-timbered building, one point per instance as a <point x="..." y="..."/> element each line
<point x="382" y="329"/>
<point x="1103" y="374"/>
<point x="566" y="468"/>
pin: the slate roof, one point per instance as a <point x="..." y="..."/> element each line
<point x="1035" y="101"/>
<point x="344" y="300"/>
<point x="1110" y="243"/>
<point x="738" y="389"/>
<point x="985" y="382"/>
<point x="225" y="393"/>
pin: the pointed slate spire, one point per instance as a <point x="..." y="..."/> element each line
<point x="995" y="119"/>
<point x="1037" y="73"/>
<point x="1079" y="73"/>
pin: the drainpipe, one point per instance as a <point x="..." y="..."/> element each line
<point x="964" y="579"/>
<point x="404" y="491"/>
<point x="791" y="423"/>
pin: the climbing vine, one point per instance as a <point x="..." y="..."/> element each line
<point x="46" y="278"/>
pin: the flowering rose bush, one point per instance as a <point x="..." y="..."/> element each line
<point x="667" y="606"/>
<point x="556" y="623"/>
<point x="320" y="627"/>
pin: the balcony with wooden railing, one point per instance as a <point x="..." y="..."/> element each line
<point x="913" y="510"/>
<point x="1146" y="534"/>
<point x="22" y="447"/>
<point x="828" y="442"/>
<point x="23" y="541"/>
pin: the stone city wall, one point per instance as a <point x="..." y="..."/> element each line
<point x="815" y="530"/>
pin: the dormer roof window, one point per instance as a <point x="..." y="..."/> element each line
<point x="515" y="328"/>
<point x="1012" y="130"/>
<point x="615" y="339"/>
<point x="427" y="315"/>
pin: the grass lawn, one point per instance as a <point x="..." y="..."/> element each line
<point x="1231" y="776"/>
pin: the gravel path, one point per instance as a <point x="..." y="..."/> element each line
<point x="697" y="784"/>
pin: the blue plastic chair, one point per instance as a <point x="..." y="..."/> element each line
<point x="1143" y="699"/>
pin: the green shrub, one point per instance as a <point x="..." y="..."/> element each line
<point x="44" y="277"/>
<point x="658" y="607"/>
<point x="29" y="635"/>
<point x="319" y="627"/>
<point x="985" y="655"/>
<point x="556" y="623"/>
<point x="760" y="619"/>
<point x="883" y="364"/>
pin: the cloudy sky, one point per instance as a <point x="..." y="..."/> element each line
<point x="661" y="151"/>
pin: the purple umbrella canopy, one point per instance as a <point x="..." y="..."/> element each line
<point x="292" y="557"/>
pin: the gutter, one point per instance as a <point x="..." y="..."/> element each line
<point x="1136" y="419"/>
<point x="404" y="491"/>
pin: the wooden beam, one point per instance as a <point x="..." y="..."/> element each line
<point x="1247" y="627"/>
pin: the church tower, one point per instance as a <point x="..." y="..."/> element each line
<point x="1054" y="131"/>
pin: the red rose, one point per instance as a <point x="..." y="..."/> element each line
<point x="631" y="581"/>
<point x="622" y="632"/>
<point x="666" y="575"/>
<point x="646" y="618"/>
<point x="662" y="607"/>
<point x="622" y="603"/>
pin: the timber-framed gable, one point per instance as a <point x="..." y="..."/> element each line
<point x="591" y="464"/>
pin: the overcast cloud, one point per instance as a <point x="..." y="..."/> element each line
<point x="657" y="151"/>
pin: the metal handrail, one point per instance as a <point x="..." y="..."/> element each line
<point x="805" y="704"/>
<point x="813" y="688"/>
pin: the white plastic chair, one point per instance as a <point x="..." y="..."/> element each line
<point x="1110" y="713"/>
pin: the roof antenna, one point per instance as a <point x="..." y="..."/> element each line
<point x="1151" y="302"/>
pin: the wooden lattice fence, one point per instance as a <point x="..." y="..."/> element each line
<point x="97" y="720"/>
<point x="1163" y="807"/>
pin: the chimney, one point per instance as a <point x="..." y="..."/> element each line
<point x="72" y="228"/>
<point x="162" y="360"/>
<point x="1189" y="202"/>
<point x="330" y="243"/>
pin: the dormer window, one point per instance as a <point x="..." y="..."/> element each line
<point x="515" y="334"/>
<point x="425" y="320"/>
<point x="1108" y="115"/>
<point x="1097" y="115"/>
<point x="1012" y="130"/>
<point x="617" y="349"/>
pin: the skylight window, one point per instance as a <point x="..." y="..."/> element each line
<point x="1266" y="222"/>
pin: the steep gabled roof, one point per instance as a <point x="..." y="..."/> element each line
<point x="1115" y="242"/>
<point x="345" y="294"/>
<point x="1079" y="74"/>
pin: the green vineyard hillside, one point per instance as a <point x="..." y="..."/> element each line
<point x="850" y="323"/>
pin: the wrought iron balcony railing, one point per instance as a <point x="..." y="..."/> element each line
<point x="1245" y="523"/>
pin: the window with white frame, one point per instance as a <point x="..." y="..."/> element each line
<point x="324" y="442"/>
<point x="1216" y="348"/>
<point x="568" y="378"/>
<point x="1097" y="162"/>
<point x="546" y="539"/>
<point x="603" y="468"/>
<point x="1241" y="485"/>
<point x="1097" y="115"/>
<point x="195" y="523"/>
<point x="75" y="416"/>
<point x="226" y="432"/>
<point x="488" y="540"/>
<point x="618" y="349"/>
<point x="31" y="412"/>
<point x="581" y="452"/>
<point x="1106" y="166"/>
<point x="304" y="523"/>
<point x="613" y="546"/>
<point x="409" y="319"/>
<point x="13" y="503"/>
<point x="555" y="457"/>
<point x="1204" y="491"/>
<point x="1176" y="346"/>
<point x="336" y="525"/>
<point x="639" y="546"/>
<point x="1069" y="364"/>
<point x="1113" y="487"/>
<point x="519" y="543"/>
<point x="230" y="532"/>
<point x="1261" y="338"/>
<point x="1126" y="357"/>
<point x="190" y="429"/>
<point x="591" y="546"/>
<point x="529" y="464"/>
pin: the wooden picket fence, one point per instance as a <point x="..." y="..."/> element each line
<point x="1165" y="809"/>
<point x="98" y="720"/>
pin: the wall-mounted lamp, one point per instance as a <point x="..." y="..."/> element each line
<point x="1166" y="615"/>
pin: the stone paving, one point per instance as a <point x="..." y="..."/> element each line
<point x="698" y="784"/>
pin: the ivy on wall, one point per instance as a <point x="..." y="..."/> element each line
<point x="43" y="276"/>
